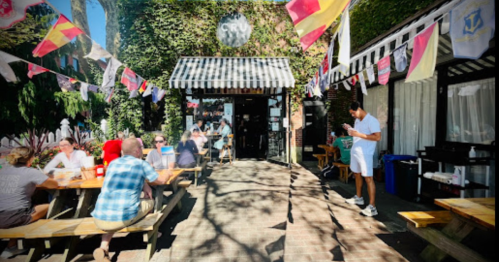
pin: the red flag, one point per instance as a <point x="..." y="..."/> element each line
<point x="72" y="80"/>
<point x="35" y="70"/>
<point x="325" y="64"/>
<point x="355" y="78"/>
<point x="60" y="34"/>
<point x="129" y="79"/>
<point x="143" y="87"/>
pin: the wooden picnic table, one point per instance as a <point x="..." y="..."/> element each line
<point x="329" y="150"/>
<point x="467" y="214"/>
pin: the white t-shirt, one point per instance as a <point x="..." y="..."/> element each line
<point x="74" y="163"/>
<point x="369" y="125"/>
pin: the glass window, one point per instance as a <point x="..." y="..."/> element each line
<point x="76" y="64"/>
<point x="471" y="112"/>
<point x="414" y="115"/>
<point x="64" y="61"/>
<point x="376" y="104"/>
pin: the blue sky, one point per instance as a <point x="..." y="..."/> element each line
<point x="95" y="15"/>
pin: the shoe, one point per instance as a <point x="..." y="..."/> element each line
<point x="370" y="211"/>
<point x="101" y="255"/>
<point x="12" y="251"/>
<point x="355" y="200"/>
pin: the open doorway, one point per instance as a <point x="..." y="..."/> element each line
<point x="250" y="127"/>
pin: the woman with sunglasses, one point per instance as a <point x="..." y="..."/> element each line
<point x="69" y="157"/>
<point x="155" y="158"/>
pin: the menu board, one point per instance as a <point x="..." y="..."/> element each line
<point x="188" y="122"/>
<point x="227" y="109"/>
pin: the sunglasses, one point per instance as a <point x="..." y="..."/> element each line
<point x="159" y="141"/>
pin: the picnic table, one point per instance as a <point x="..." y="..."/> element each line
<point x="45" y="233"/>
<point x="461" y="217"/>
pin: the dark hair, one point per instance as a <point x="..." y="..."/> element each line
<point x="223" y="120"/>
<point x="200" y="120"/>
<point x="339" y="131"/>
<point x="69" y="139"/>
<point x="355" y="105"/>
<point x="160" y="135"/>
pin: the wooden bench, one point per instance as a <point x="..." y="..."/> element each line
<point x="344" y="171"/>
<point x="320" y="158"/>
<point x="43" y="230"/>
<point x="427" y="218"/>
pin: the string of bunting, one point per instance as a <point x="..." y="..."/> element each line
<point x="61" y="33"/>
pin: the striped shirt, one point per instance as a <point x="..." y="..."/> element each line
<point x="119" y="199"/>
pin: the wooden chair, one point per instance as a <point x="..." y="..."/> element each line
<point x="344" y="174"/>
<point x="227" y="147"/>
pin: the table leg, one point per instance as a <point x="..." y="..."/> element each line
<point x="158" y="198"/>
<point x="83" y="203"/>
<point x="455" y="230"/>
<point x="55" y="206"/>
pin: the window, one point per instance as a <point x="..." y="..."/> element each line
<point x="414" y="115"/>
<point x="376" y="104"/>
<point x="64" y="61"/>
<point x="76" y="64"/>
<point x="471" y="112"/>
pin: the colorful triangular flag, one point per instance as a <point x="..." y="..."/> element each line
<point x="93" y="88"/>
<point x="424" y="54"/>
<point x="143" y="86"/>
<point x="60" y="34"/>
<point x="400" y="57"/>
<point x="157" y="94"/>
<point x="148" y="90"/>
<point x="64" y="83"/>
<point x="35" y="70"/>
<point x="134" y="93"/>
<point x="384" y="70"/>
<point x="13" y="11"/>
<point x="129" y="79"/>
<point x="109" y="95"/>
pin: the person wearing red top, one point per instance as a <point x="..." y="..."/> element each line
<point x="112" y="149"/>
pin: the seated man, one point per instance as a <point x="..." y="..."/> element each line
<point x="119" y="204"/>
<point x="344" y="144"/>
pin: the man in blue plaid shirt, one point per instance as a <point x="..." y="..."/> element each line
<point x="119" y="204"/>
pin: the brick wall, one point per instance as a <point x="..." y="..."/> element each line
<point x="331" y="96"/>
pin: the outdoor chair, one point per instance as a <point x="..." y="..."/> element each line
<point x="227" y="147"/>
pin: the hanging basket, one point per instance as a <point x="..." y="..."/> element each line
<point x="88" y="173"/>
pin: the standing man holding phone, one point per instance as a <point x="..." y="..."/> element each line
<point x="366" y="133"/>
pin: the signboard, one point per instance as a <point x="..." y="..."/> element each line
<point x="188" y="122"/>
<point x="275" y="112"/>
<point x="228" y="109"/>
<point x="233" y="30"/>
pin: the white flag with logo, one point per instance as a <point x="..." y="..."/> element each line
<point x="370" y="74"/>
<point x="97" y="52"/>
<point x="5" y="69"/>
<point x="110" y="73"/>
<point x="472" y="26"/>
<point x="362" y="83"/>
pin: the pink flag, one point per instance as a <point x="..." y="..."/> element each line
<point x="35" y="70"/>
<point x="384" y="70"/>
<point x="129" y="79"/>
<point x="424" y="54"/>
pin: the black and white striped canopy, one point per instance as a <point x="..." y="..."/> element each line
<point x="232" y="72"/>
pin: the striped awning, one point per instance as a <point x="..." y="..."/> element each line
<point x="232" y="72"/>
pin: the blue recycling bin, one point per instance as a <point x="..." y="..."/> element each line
<point x="390" y="170"/>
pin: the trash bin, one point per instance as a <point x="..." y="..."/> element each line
<point x="390" y="170"/>
<point x="406" y="179"/>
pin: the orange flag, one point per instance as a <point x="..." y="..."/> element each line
<point x="60" y="34"/>
<point x="312" y="17"/>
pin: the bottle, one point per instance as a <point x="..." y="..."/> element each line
<point x="456" y="177"/>
<point x="472" y="153"/>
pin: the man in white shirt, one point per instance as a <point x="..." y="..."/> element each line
<point x="366" y="133"/>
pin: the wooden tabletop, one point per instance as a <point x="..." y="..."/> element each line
<point x="203" y="152"/>
<point x="479" y="210"/>
<point x="146" y="151"/>
<point x="98" y="182"/>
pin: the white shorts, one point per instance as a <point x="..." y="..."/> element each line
<point x="362" y="164"/>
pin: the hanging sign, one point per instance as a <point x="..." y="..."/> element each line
<point x="234" y="30"/>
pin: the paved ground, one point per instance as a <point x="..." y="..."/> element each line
<point x="257" y="211"/>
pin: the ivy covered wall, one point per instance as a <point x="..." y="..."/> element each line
<point x="157" y="33"/>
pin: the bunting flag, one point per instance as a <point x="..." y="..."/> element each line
<point x="347" y="86"/>
<point x="143" y="86"/>
<point x="134" y="93"/>
<point x="64" y="83"/>
<point x="35" y="70"/>
<point x="312" y="17"/>
<point x="400" y="57"/>
<point x="472" y="27"/>
<point x="354" y="80"/>
<point x="84" y="91"/>
<point x="72" y="80"/>
<point x="157" y="94"/>
<point x="13" y="11"/>
<point x="5" y="69"/>
<point x="322" y="84"/>
<point x="148" y="90"/>
<point x="139" y="81"/>
<point x="93" y="88"/>
<point x="384" y="70"/>
<point x="60" y="34"/>
<point x="362" y="83"/>
<point x="317" y="91"/>
<point x="129" y="79"/>
<point x="310" y="89"/>
<point x="109" y="95"/>
<point x="344" y="41"/>
<point x="424" y="54"/>
<point x="97" y="52"/>
<point x="370" y="74"/>
<point x="110" y="73"/>
<point x="330" y="53"/>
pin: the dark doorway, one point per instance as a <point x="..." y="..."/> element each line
<point x="250" y="127"/>
<point x="314" y="128"/>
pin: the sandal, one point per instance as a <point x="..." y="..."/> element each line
<point x="101" y="255"/>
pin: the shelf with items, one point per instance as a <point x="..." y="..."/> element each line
<point x="458" y="158"/>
